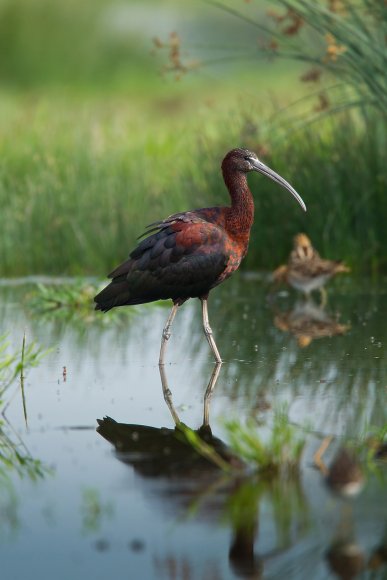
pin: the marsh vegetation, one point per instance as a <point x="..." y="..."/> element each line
<point x="87" y="164"/>
<point x="114" y="115"/>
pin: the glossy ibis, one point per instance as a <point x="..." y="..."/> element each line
<point x="306" y="270"/>
<point x="188" y="254"/>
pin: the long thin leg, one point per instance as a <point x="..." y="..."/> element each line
<point x="208" y="331"/>
<point x="168" y="395"/>
<point x="208" y="393"/>
<point x="167" y="333"/>
<point x="324" y="297"/>
<point x="317" y="457"/>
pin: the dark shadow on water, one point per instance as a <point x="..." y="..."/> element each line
<point x="164" y="452"/>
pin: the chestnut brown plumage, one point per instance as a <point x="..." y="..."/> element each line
<point x="188" y="254"/>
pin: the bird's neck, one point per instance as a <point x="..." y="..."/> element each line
<point x="240" y="215"/>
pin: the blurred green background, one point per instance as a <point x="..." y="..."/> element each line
<point x="103" y="130"/>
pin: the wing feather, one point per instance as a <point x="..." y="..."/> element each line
<point x="182" y="259"/>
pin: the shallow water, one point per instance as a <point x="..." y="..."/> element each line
<point x="100" y="511"/>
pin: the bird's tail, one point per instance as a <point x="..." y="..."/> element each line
<point x="279" y="276"/>
<point x="118" y="293"/>
<point x="115" y="294"/>
<point x="342" y="268"/>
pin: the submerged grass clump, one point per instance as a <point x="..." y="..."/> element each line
<point x="205" y="448"/>
<point x="76" y="296"/>
<point x="75" y="300"/>
<point x="280" y="452"/>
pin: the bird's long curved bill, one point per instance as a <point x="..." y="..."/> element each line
<point x="265" y="170"/>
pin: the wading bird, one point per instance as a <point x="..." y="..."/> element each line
<point x="306" y="270"/>
<point x="188" y="254"/>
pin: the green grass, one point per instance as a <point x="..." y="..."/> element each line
<point x="340" y="39"/>
<point x="279" y="453"/>
<point x="14" y="455"/>
<point x="74" y="301"/>
<point x="79" y="180"/>
<point x="95" y="144"/>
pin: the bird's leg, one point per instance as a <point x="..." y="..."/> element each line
<point x="317" y="457"/>
<point x="208" y="393"/>
<point x="307" y="296"/>
<point x="208" y="331"/>
<point x="324" y="297"/>
<point x="168" y="395"/>
<point x="167" y="333"/>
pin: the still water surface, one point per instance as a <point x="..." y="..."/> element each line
<point x="98" y="511"/>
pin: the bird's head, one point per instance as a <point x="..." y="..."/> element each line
<point x="243" y="161"/>
<point x="301" y="241"/>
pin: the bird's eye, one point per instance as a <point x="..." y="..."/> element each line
<point x="246" y="157"/>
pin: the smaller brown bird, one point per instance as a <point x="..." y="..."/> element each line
<point x="306" y="270"/>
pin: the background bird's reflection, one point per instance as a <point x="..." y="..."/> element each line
<point x="308" y="321"/>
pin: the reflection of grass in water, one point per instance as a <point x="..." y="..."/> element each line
<point x="93" y="510"/>
<point x="256" y="470"/>
<point x="14" y="455"/>
<point x="15" y="458"/>
<point x="373" y="445"/>
<point x="286" y="497"/>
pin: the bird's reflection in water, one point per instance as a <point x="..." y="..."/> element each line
<point x="207" y="395"/>
<point x="161" y="451"/>
<point x="345" y="479"/>
<point x="344" y="476"/>
<point x="378" y="558"/>
<point x="196" y="484"/>
<point x="308" y="321"/>
<point x="345" y="557"/>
